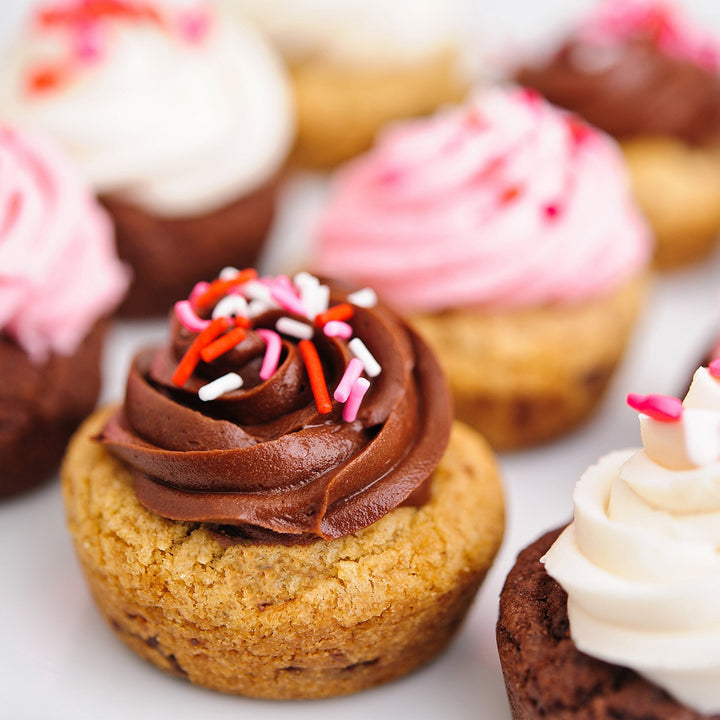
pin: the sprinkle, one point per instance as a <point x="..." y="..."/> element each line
<point x="186" y="315"/>
<point x="46" y="78"/>
<point x="714" y="368"/>
<point x="308" y="287"/>
<point x="363" y="298"/>
<point x="197" y="291"/>
<point x="287" y="299"/>
<point x="232" y="305"/>
<point x="191" y="358"/>
<point x="258" y="307"/>
<point x="359" y="388"/>
<point x="256" y="290"/>
<point x="321" y="301"/>
<point x="228" y="273"/>
<point x="220" y="288"/>
<point x="352" y="373"/>
<point x="223" y="344"/>
<point x="193" y="25"/>
<point x="343" y="311"/>
<point x="294" y="328"/>
<point x="358" y="349"/>
<point x="216" y="388"/>
<point x="317" y="378"/>
<point x="659" y="407"/>
<point x="551" y="211"/>
<point x="337" y="328"/>
<point x="272" y="352"/>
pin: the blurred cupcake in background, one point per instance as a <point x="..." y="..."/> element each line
<point x="358" y="64"/>
<point x="180" y="118"/>
<point x="506" y="230"/>
<point x="59" y="276"/>
<point x="638" y="70"/>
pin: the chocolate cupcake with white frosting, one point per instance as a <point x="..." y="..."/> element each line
<point x="615" y="616"/>
<point x="181" y="120"/>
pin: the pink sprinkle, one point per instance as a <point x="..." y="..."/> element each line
<point x="287" y="299"/>
<point x="337" y="328"/>
<point x="198" y="290"/>
<point x="193" y="25"/>
<point x="659" y="407"/>
<point x="87" y="43"/>
<point x="186" y="315"/>
<point x="272" y="352"/>
<point x="551" y="211"/>
<point x="352" y="373"/>
<point x="359" y="388"/>
<point x="714" y="368"/>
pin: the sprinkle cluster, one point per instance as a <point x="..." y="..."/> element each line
<point x="239" y="296"/>
<point x="84" y="22"/>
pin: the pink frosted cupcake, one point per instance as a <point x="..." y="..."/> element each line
<point x="506" y="230"/>
<point x="59" y="276"/>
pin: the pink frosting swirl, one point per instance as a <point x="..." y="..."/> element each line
<point x="506" y="201"/>
<point x="58" y="268"/>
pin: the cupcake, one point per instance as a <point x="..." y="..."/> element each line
<point x="179" y="117"/>
<point x="639" y="71"/>
<point x="243" y="529"/>
<point x="615" y="616"/>
<point x="59" y="276"/>
<point x="505" y="230"/>
<point x="357" y="65"/>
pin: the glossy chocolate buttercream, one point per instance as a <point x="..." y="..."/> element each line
<point x="262" y="458"/>
<point x="631" y="89"/>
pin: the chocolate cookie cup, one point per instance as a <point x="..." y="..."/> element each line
<point x="546" y="675"/>
<point x="241" y="528"/>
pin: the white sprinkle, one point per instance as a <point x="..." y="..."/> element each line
<point x="307" y="286"/>
<point x="294" y="328"/>
<point x="363" y="298"/>
<point x="257" y="307"/>
<point x="231" y="305"/>
<point x="254" y="290"/>
<point x="321" y="301"/>
<point x="228" y="273"/>
<point x="216" y="388"/>
<point x="358" y="349"/>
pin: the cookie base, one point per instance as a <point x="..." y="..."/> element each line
<point x="546" y="675"/>
<point x="272" y="621"/>
<point x="341" y="108"/>
<point x="526" y="376"/>
<point x="678" y="188"/>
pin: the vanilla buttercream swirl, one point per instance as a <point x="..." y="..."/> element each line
<point x="58" y="269"/>
<point x="263" y="458"/>
<point x="179" y="114"/>
<point x="358" y="33"/>
<point x="503" y="202"/>
<point x="641" y="560"/>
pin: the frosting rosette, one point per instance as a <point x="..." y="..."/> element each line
<point x="636" y="68"/>
<point x="640" y="560"/>
<point x="232" y="423"/>
<point x="175" y="108"/>
<point x="58" y="269"/>
<point x="503" y="202"/>
<point x="370" y="33"/>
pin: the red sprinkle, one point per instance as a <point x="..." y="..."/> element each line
<point x="222" y="345"/>
<point x="191" y="358"/>
<point x="343" y="311"/>
<point x="509" y="194"/>
<point x="46" y="78"/>
<point x="317" y="377"/>
<point x="220" y="288"/>
<point x="714" y="368"/>
<point x="579" y="131"/>
<point x="664" y="408"/>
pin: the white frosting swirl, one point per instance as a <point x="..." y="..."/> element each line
<point x="177" y="125"/>
<point x="358" y="32"/>
<point x="641" y="560"/>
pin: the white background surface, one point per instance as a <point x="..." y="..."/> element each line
<point x="59" y="660"/>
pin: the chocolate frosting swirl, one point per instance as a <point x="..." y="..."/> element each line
<point x="262" y="458"/>
<point x="631" y="90"/>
